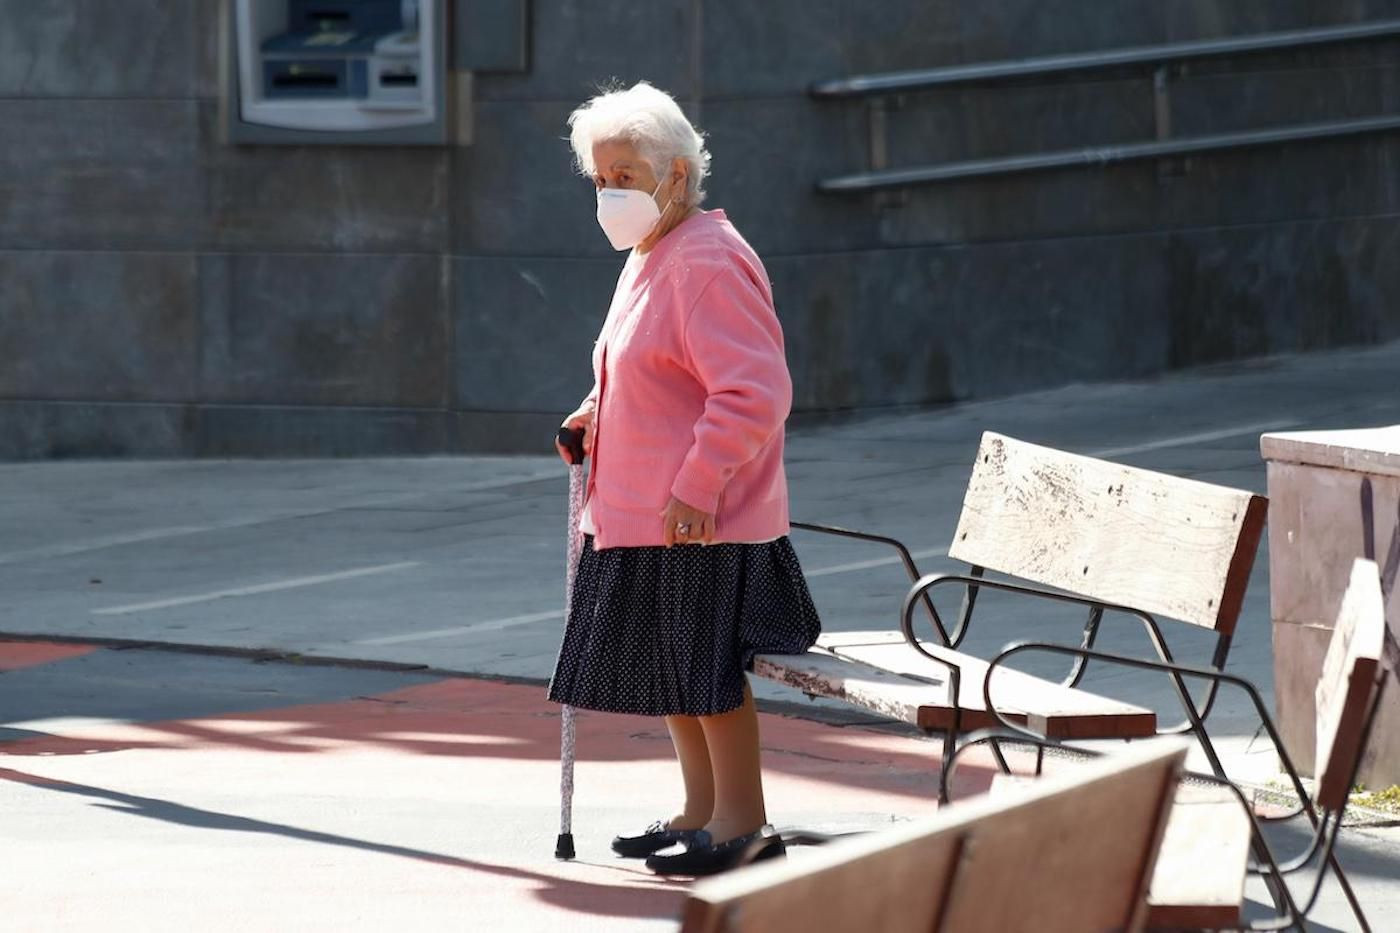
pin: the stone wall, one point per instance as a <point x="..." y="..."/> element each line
<point x="162" y="293"/>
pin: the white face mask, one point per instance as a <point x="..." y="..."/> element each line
<point x="627" y="215"/>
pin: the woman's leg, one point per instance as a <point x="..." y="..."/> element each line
<point x="732" y="739"/>
<point x="696" y="772"/>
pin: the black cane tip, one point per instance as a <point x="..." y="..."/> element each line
<point x="564" y="848"/>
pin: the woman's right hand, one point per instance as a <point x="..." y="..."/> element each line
<point x="581" y="420"/>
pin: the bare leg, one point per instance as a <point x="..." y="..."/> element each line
<point x="696" y="772"/>
<point x="732" y="739"/>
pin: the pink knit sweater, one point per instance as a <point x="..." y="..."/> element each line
<point x="691" y="390"/>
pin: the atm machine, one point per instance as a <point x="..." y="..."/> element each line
<point x="337" y="72"/>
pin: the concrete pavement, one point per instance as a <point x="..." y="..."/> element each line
<point x="456" y="564"/>
<point x="144" y="790"/>
<point x="150" y="791"/>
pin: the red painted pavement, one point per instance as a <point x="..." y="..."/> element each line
<point x="430" y="807"/>
<point x="15" y="655"/>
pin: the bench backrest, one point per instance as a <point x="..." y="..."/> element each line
<point x="1072" y="852"/>
<point x="1173" y="547"/>
<point x="1348" y="683"/>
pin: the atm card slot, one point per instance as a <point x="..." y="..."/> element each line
<point x="315" y="78"/>
<point x="306" y="80"/>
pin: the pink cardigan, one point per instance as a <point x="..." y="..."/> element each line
<point x="691" y="389"/>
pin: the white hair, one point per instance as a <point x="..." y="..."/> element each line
<point x="648" y="118"/>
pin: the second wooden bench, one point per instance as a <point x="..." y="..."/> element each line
<point x="1115" y="541"/>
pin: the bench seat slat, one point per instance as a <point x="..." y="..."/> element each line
<point x="1198" y="880"/>
<point x="880" y="672"/>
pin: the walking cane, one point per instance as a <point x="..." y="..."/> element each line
<point x="572" y="441"/>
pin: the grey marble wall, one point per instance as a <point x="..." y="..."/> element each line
<point x="162" y="293"/>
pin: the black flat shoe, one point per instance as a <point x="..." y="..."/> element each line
<point x="656" y="838"/>
<point x="703" y="857"/>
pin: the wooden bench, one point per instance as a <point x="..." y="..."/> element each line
<point x="1198" y="882"/>
<point x="1073" y="853"/>
<point x="876" y="670"/>
<point x="1116" y="541"/>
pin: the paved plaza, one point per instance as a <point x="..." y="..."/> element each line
<point x="276" y="792"/>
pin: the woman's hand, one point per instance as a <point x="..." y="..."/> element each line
<point x="681" y="524"/>
<point x="581" y="420"/>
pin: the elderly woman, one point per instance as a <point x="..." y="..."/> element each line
<point x="686" y="571"/>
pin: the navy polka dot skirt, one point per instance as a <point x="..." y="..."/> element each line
<point x="657" y="631"/>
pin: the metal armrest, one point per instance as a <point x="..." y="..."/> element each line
<point x="904" y="555"/>
<point x="1193" y="715"/>
<point x="1097" y="610"/>
<point x="974" y="582"/>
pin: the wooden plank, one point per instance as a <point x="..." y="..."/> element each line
<point x="818" y="673"/>
<point x="917" y="689"/>
<point x="1173" y="547"/>
<point x="1348" y="683"/>
<point x="1199" y="878"/>
<point x="1363" y="450"/>
<point x="1081" y="860"/>
<point x="1077" y="850"/>
<point x="897" y="884"/>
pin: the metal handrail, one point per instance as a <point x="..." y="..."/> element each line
<point x="901" y="81"/>
<point x="1009" y="165"/>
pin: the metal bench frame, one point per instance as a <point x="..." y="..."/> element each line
<point x="1321" y="849"/>
<point x="973" y="582"/>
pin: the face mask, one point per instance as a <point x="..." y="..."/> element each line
<point x="627" y="215"/>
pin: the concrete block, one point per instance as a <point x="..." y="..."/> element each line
<point x="346" y="199"/>
<point x="766" y="153"/>
<point x="1121" y="199"/>
<point x="283" y="431"/>
<point x="99" y="49"/>
<point x="516" y="192"/>
<point x="1192" y="19"/>
<point x="99" y="430"/>
<point x="1265" y="185"/>
<point x="843" y="317"/>
<point x="1316" y="531"/>
<point x="1048" y="312"/>
<point x="208" y="26"/>
<point x="930" y="325"/>
<point x="1283" y="184"/>
<point x="769" y="155"/>
<point x="51" y="430"/>
<point x="1238" y="292"/>
<point x="1298" y="654"/>
<point x="781" y="48"/>
<point x="99" y="174"/>
<point x="1318" y="526"/>
<point x="512" y="432"/>
<point x="525" y="330"/>
<point x="577" y="45"/>
<point x="1008" y="29"/>
<point x="324" y="329"/>
<point x="980" y="122"/>
<point x="112" y="326"/>
<point x="774" y="48"/>
<point x="491" y="35"/>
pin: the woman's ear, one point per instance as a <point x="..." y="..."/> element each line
<point x="680" y="174"/>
